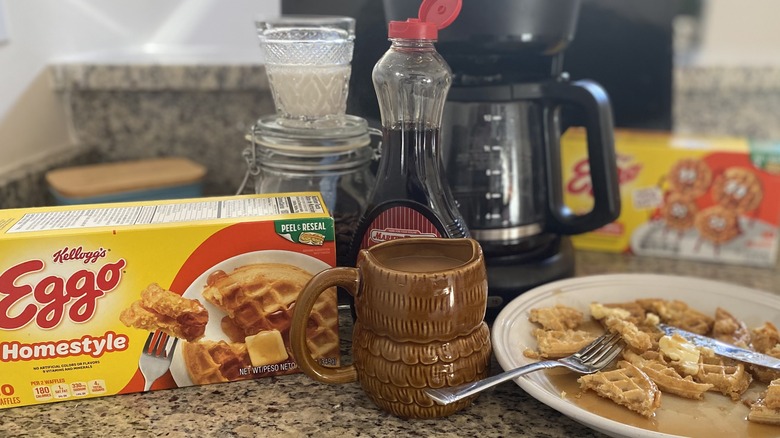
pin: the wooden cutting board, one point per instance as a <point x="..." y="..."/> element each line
<point x="125" y="176"/>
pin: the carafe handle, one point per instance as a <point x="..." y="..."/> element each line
<point x="591" y="98"/>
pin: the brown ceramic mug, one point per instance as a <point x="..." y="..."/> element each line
<point x="420" y="306"/>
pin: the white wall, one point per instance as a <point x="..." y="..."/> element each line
<point x="739" y="33"/>
<point x="43" y="31"/>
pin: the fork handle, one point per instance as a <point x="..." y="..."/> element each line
<point x="445" y="396"/>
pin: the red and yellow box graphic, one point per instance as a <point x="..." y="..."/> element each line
<point x="693" y="197"/>
<point x="82" y="289"/>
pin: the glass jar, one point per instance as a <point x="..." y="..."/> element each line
<point x="334" y="161"/>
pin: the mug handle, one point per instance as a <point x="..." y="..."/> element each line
<point x="347" y="278"/>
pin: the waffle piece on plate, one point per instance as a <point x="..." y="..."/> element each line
<point x="554" y="344"/>
<point x="772" y="396"/>
<point x="767" y="408"/>
<point x="558" y="317"/>
<point x="727" y="376"/>
<point x="215" y="362"/>
<point x="665" y="376"/>
<point x="678" y="314"/>
<point x="627" y="386"/>
<point x="636" y="339"/>
<point x="760" y="413"/>
<point x="160" y="309"/>
<point x="729" y="329"/>
<point x="766" y="340"/>
<point x="621" y="320"/>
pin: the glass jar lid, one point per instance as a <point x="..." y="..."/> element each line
<point x="351" y="134"/>
<point x="305" y="150"/>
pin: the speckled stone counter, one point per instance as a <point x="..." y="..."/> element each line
<point x="295" y="405"/>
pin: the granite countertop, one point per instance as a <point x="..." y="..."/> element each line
<point x="298" y="406"/>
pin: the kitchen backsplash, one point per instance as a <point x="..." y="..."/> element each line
<point x="199" y="112"/>
<point x="204" y="113"/>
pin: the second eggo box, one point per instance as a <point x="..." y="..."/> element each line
<point x="692" y="197"/>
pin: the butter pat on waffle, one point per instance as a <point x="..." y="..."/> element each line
<point x="266" y="348"/>
<point x="627" y="386"/>
<point x="160" y="309"/>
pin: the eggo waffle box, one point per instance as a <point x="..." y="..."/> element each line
<point x="703" y="198"/>
<point x="87" y="293"/>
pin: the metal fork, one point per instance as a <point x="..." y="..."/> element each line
<point x="156" y="357"/>
<point x="593" y="357"/>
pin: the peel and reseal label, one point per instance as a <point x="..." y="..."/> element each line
<point x="314" y="232"/>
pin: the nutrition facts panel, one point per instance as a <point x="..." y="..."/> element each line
<point x="58" y="389"/>
<point x="196" y="210"/>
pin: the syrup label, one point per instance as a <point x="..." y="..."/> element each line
<point x="398" y="223"/>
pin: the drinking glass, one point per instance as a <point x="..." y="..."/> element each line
<point x="308" y="60"/>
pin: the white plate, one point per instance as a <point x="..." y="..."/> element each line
<point x="511" y="332"/>
<point x="213" y="327"/>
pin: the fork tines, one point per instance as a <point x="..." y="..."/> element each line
<point x="157" y="344"/>
<point x="601" y="349"/>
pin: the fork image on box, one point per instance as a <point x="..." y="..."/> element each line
<point x="156" y="357"/>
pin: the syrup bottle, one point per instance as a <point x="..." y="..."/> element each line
<point x="411" y="197"/>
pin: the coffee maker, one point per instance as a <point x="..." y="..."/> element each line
<point x="508" y="106"/>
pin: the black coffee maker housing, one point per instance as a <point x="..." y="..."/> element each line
<point x="509" y="103"/>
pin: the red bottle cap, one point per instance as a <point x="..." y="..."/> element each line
<point x="433" y="15"/>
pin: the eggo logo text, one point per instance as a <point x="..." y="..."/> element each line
<point x="580" y="181"/>
<point x="54" y="296"/>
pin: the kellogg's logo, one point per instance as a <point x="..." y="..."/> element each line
<point x="66" y="254"/>
<point x="54" y="296"/>
<point x="580" y="181"/>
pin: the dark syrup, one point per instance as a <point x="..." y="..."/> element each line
<point x="410" y="175"/>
